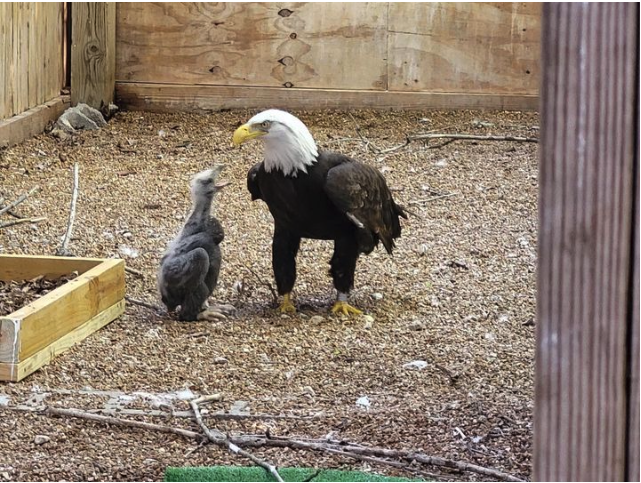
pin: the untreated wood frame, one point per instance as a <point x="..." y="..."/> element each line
<point x="586" y="425"/>
<point x="33" y="335"/>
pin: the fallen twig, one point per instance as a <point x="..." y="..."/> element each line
<point x="456" y="137"/>
<point x="77" y="413"/>
<point x="355" y="451"/>
<point x="135" y="272"/>
<point x="263" y="282"/>
<point x="221" y="439"/>
<point x="433" y="198"/>
<point x="72" y="214"/>
<point x="142" y="303"/>
<point x="22" y="220"/>
<point x="19" y="200"/>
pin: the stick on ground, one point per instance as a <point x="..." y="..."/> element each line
<point x="221" y="439"/>
<point x="355" y="451"/>
<point x="19" y="200"/>
<point x="20" y="221"/>
<point x="142" y="303"/>
<point x="72" y="215"/>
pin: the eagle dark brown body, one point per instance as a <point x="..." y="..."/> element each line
<point x="337" y="199"/>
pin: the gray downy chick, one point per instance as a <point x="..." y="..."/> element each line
<point x="189" y="268"/>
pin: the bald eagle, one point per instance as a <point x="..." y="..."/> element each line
<point x="320" y="195"/>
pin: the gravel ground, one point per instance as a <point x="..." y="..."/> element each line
<point x="459" y="293"/>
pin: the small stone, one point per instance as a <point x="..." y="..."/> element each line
<point x="220" y="360"/>
<point x="309" y="390"/>
<point x="369" y="321"/>
<point x="416" y="325"/>
<point x="317" y="319"/>
<point x="377" y="296"/>
<point x="419" y="365"/>
<point x="40" y="439"/>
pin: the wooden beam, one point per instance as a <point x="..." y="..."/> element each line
<point x="587" y="171"/>
<point x="18" y="371"/>
<point x="27" y="267"/>
<point x="634" y="446"/>
<point x="93" y="53"/>
<point x="195" y="98"/>
<point x="40" y="323"/>
<point x="32" y="122"/>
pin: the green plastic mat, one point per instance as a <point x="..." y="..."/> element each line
<point x="254" y="473"/>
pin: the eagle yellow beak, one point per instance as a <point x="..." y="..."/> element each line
<point x="245" y="133"/>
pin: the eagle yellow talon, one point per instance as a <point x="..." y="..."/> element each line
<point x="287" y="307"/>
<point x="345" y="309"/>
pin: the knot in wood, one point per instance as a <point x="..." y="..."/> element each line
<point x="285" y="12"/>
<point x="288" y="84"/>
<point x="287" y="60"/>
<point x="293" y="35"/>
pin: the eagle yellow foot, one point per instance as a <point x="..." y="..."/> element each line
<point x="345" y="309"/>
<point x="287" y="307"/>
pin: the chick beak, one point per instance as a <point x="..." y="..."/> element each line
<point x="245" y="133"/>
<point x="220" y="186"/>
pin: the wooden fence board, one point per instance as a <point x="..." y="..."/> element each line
<point x="464" y="47"/>
<point x="586" y="200"/>
<point x="329" y="45"/>
<point x="31" y="63"/>
<point x="93" y="53"/>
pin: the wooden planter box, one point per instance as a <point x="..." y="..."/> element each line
<point x="33" y="335"/>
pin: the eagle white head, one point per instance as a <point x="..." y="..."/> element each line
<point x="289" y="146"/>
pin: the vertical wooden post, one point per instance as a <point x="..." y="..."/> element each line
<point x="587" y="178"/>
<point x="93" y="53"/>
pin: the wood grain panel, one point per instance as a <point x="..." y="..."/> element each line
<point x="318" y="45"/>
<point x="187" y="98"/>
<point x="6" y="59"/>
<point x="31" y="63"/>
<point x="464" y="47"/>
<point x="586" y="200"/>
<point x="93" y="53"/>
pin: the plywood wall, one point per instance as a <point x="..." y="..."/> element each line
<point x="31" y="55"/>
<point x="475" y="49"/>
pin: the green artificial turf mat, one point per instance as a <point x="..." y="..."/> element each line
<point x="254" y="473"/>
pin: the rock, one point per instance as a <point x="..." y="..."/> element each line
<point x="416" y="325"/>
<point x="220" y="360"/>
<point x="363" y="402"/>
<point x="377" y="296"/>
<point x="369" y="321"/>
<point x="81" y="116"/>
<point x="40" y="439"/>
<point x="419" y="365"/>
<point x="317" y="319"/>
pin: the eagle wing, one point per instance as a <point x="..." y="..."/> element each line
<point x="252" y="182"/>
<point x="361" y="193"/>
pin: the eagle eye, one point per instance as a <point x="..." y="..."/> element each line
<point x="264" y="124"/>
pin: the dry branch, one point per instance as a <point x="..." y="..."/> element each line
<point x="456" y="137"/>
<point x="77" y="413"/>
<point x="72" y="214"/>
<point x="354" y="451"/>
<point x="433" y="198"/>
<point x="20" y="221"/>
<point x="135" y="272"/>
<point x="264" y="283"/>
<point x="142" y="303"/>
<point x="221" y="439"/>
<point x="19" y="200"/>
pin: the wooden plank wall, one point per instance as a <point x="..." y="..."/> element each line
<point x="194" y="52"/>
<point x="93" y="54"/>
<point x="31" y="55"/>
<point x="585" y="426"/>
